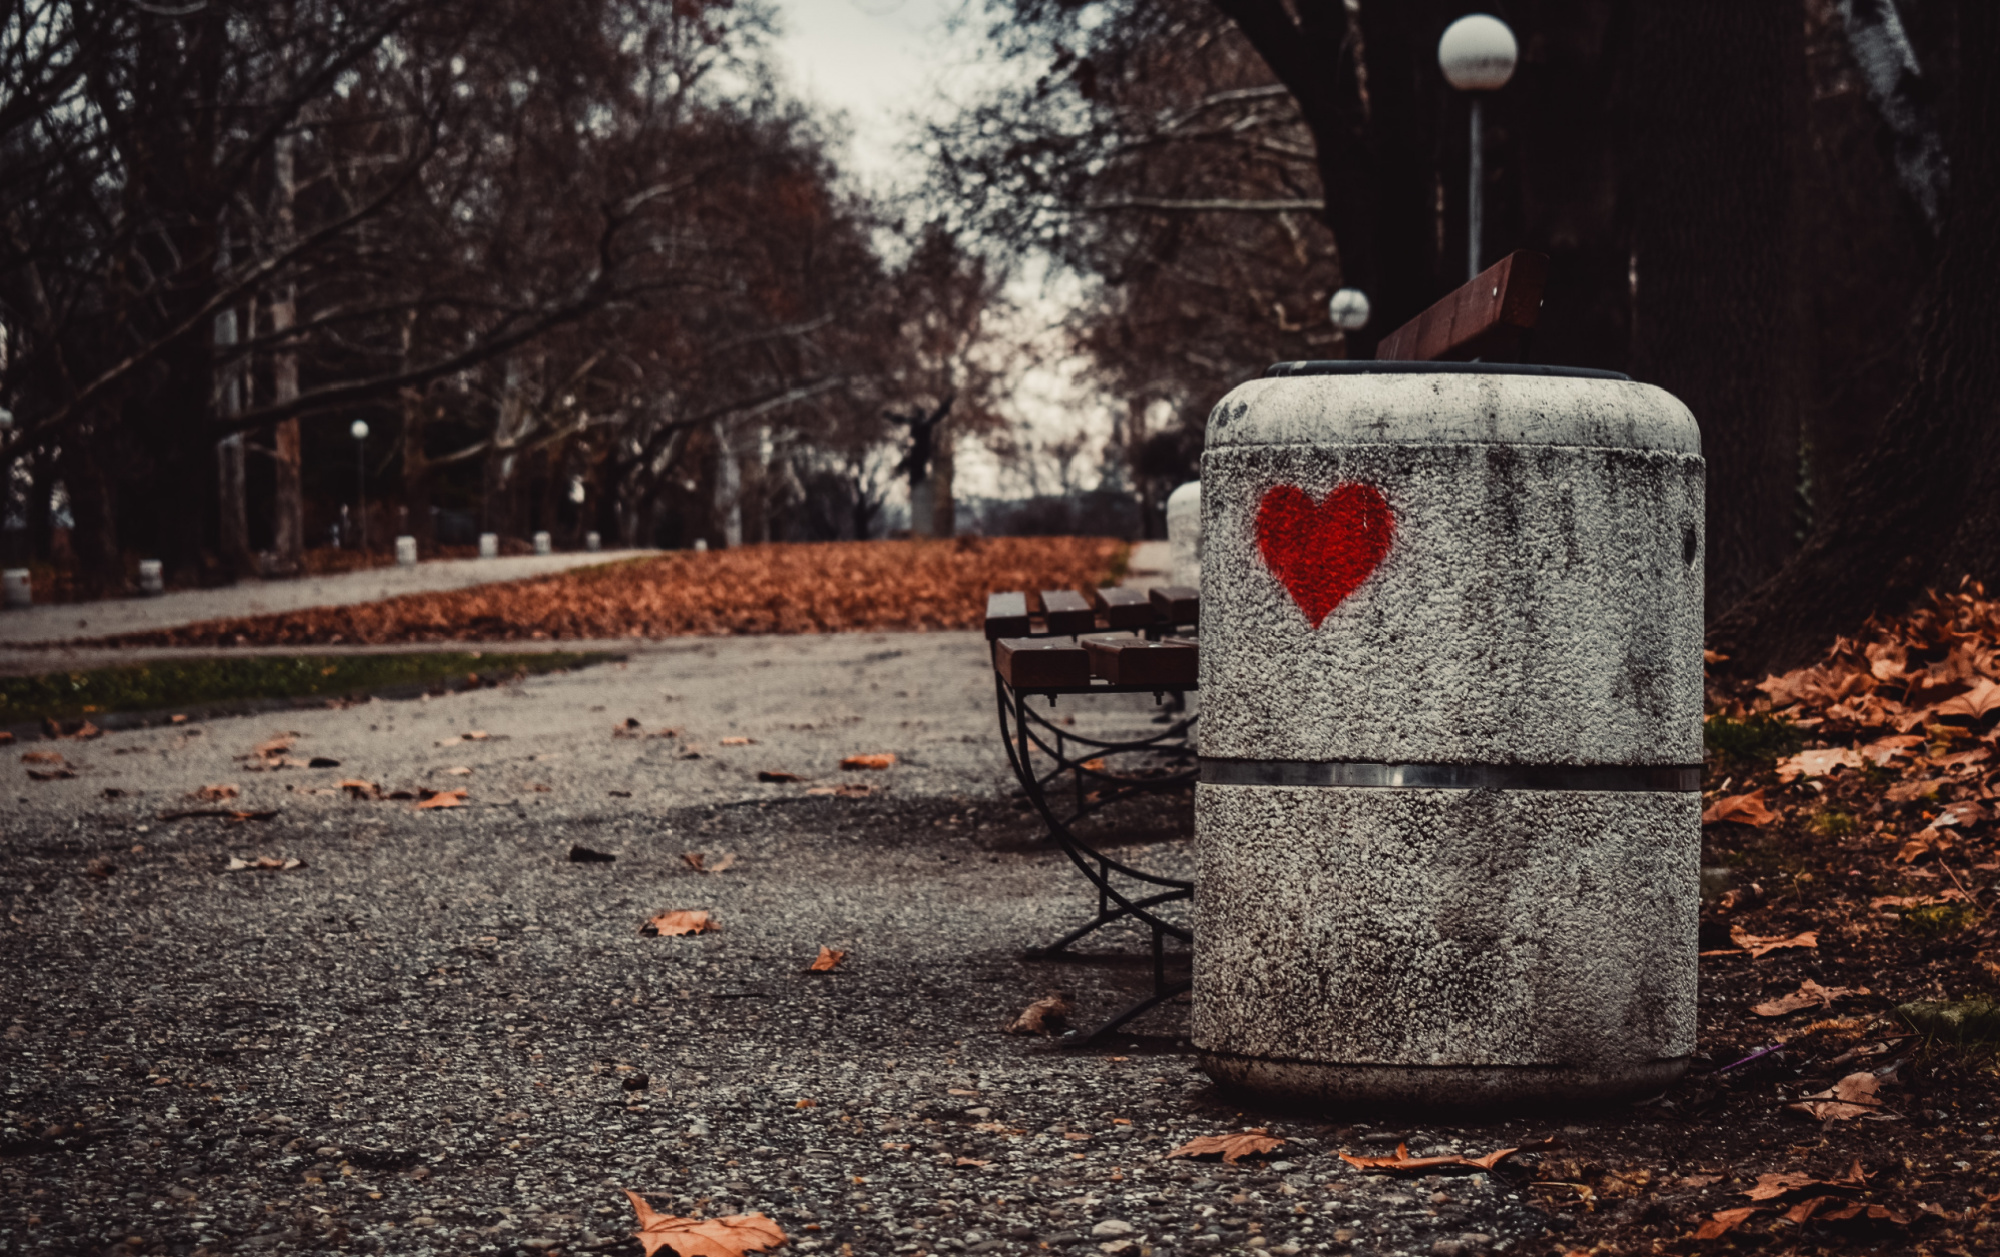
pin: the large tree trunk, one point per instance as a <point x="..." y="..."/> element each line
<point x="1717" y="97"/>
<point x="231" y="474"/>
<point x="1923" y="508"/>
<point x="93" y="514"/>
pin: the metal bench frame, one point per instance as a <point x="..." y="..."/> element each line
<point x="1124" y="892"/>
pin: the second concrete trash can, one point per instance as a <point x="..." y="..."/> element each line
<point x="1448" y="823"/>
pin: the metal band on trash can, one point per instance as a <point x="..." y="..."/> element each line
<point x="1284" y="772"/>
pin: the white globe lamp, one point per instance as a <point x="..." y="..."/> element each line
<point x="1477" y="55"/>
<point x="1348" y="309"/>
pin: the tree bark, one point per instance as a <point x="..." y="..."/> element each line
<point x="288" y="506"/>
<point x="1923" y="508"/>
<point x="1717" y="98"/>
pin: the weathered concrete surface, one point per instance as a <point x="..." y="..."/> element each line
<point x="1184" y="533"/>
<point x="1456" y="569"/>
<point x="1343" y="931"/>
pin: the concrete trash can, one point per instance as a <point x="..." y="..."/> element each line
<point x="1448" y="824"/>
<point x="406" y="551"/>
<point x="489" y="545"/>
<point x="1184" y="535"/>
<point x="593" y="542"/>
<point x="152" y="581"/>
<point x="542" y="545"/>
<point x="15" y="592"/>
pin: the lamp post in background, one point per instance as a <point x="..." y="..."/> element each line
<point x="1477" y="55"/>
<point x="1348" y="309"/>
<point x="359" y="431"/>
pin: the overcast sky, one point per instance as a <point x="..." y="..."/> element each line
<point x="878" y="61"/>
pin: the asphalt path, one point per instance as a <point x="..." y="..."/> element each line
<point x="438" y="1034"/>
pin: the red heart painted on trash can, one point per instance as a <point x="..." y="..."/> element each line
<point x="1323" y="552"/>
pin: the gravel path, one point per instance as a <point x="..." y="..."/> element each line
<point x="439" y="1035"/>
<point x="65" y="621"/>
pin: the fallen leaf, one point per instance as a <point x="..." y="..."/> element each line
<point x="1760" y="945"/>
<point x="971" y="1161"/>
<point x="579" y="854"/>
<point x="732" y="1236"/>
<point x="679" y="921"/>
<point x="237" y="863"/>
<point x="826" y="960"/>
<point x="1809" y="995"/>
<point x="276" y="746"/>
<point x="1722" y="1222"/>
<point x="1232" y="1148"/>
<point x="696" y="861"/>
<point x="1852" y="1097"/>
<point x="1042" y="1016"/>
<point x="476" y="735"/>
<point x="228" y="814"/>
<point x="693" y="859"/>
<point x="1923" y="843"/>
<point x="459" y="770"/>
<point x="1882" y="750"/>
<point x="1698" y="1180"/>
<point x="1878" y="1213"/>
<point x="215" y="793"/>
<point x="1817" y="763"/>
<point x="359" y="789"/>
<point x="443" y="798"/>
<point x="42" y="757"/>
<point x="850" y="790"/>
<point x="1403" y="1161"/>
<point x="51" y="774"/>
<point x="876" y="763"/>
<point x="1772" y="1186"/>
<point x="1742" y="809"/>
<point x="737" y="741"/>
<point x="766" y="774"/>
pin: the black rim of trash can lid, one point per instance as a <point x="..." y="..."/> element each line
<point x="1369" y="366"/>
<point x="1673" y="779"/>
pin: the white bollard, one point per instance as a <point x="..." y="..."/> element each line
<point x="152" y="583"/>
<point x="1184" y="535"/>
<point x="700" y="544"/>
<point x="542" y="545"/>
<point x="592" y="542"/>
<point x="1448" y="825"/>
<point x="15" y="593"/>
<point x="489" y="545"/>
<point x="406" y="551"/>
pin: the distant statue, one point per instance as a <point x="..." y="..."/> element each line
<point x="923" y="429"/>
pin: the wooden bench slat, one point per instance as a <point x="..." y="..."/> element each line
<point x="1483" y="318"/>
<point x="1177" y="604"/>
<point x="1006" y="615"/>
<point x="1169" y="663"/>
<point x="1035" y="662"/>
<point x="1121" y="608"/>
<point x="1067" y="612"/>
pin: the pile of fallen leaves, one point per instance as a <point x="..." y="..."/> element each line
<point x="1847" y="1087"/>
<point x="822" y="587"/>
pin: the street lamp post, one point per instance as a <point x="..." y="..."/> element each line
<point x="1477" y="55"/>
<point x="359" y="431"/>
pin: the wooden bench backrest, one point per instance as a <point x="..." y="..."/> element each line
<point x="1486" y="317"/>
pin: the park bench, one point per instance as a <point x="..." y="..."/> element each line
<point x="1056" y="644"/>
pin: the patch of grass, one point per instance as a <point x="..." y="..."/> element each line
<point x="1834" y="824"/>
<point x="1936" y="920"/>
<point x="1760" y="739"/>
<point x="198" y="682"/>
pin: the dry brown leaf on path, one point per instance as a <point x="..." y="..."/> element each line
<point x="443" y="798"/>
<point x="1254" y="1142"/>
<point x="475" y="735"/>
<point x="1403" y="1161"/>
<point x="217" y="793"/>
<point x="1882" y="750"/>
<point x="62" y="773"/>
<point x="458" y="770"/>
<point x="275" y="746"/>
<point x="1723" y="1221"/>
<point x="826" y="960"/>
<point x="359" y="789"/>
<point x="1772" y="1186"/>
<point x="1818" y="763"/>
<point x="1852" y="1097"/>
<point x="229" y="814"/>
<point x="698" y="862"/>
<point x="238" y="863"/>
<point x="1742" y="809"/>
<point x="1877" y="1213"/>
<point x="42" y="757"/>
<point x="852" y="790"/>
<point x="738" y="741"/>
<point x="1042" y="1016"/>
<point x="1757" y="945"/>
<point x="680" y="921"/>
<point x="1809" y="995"/>
<point x="732" y="1236"/>
<point x="1923" y="843"/>
<point x="870" y="763"/>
